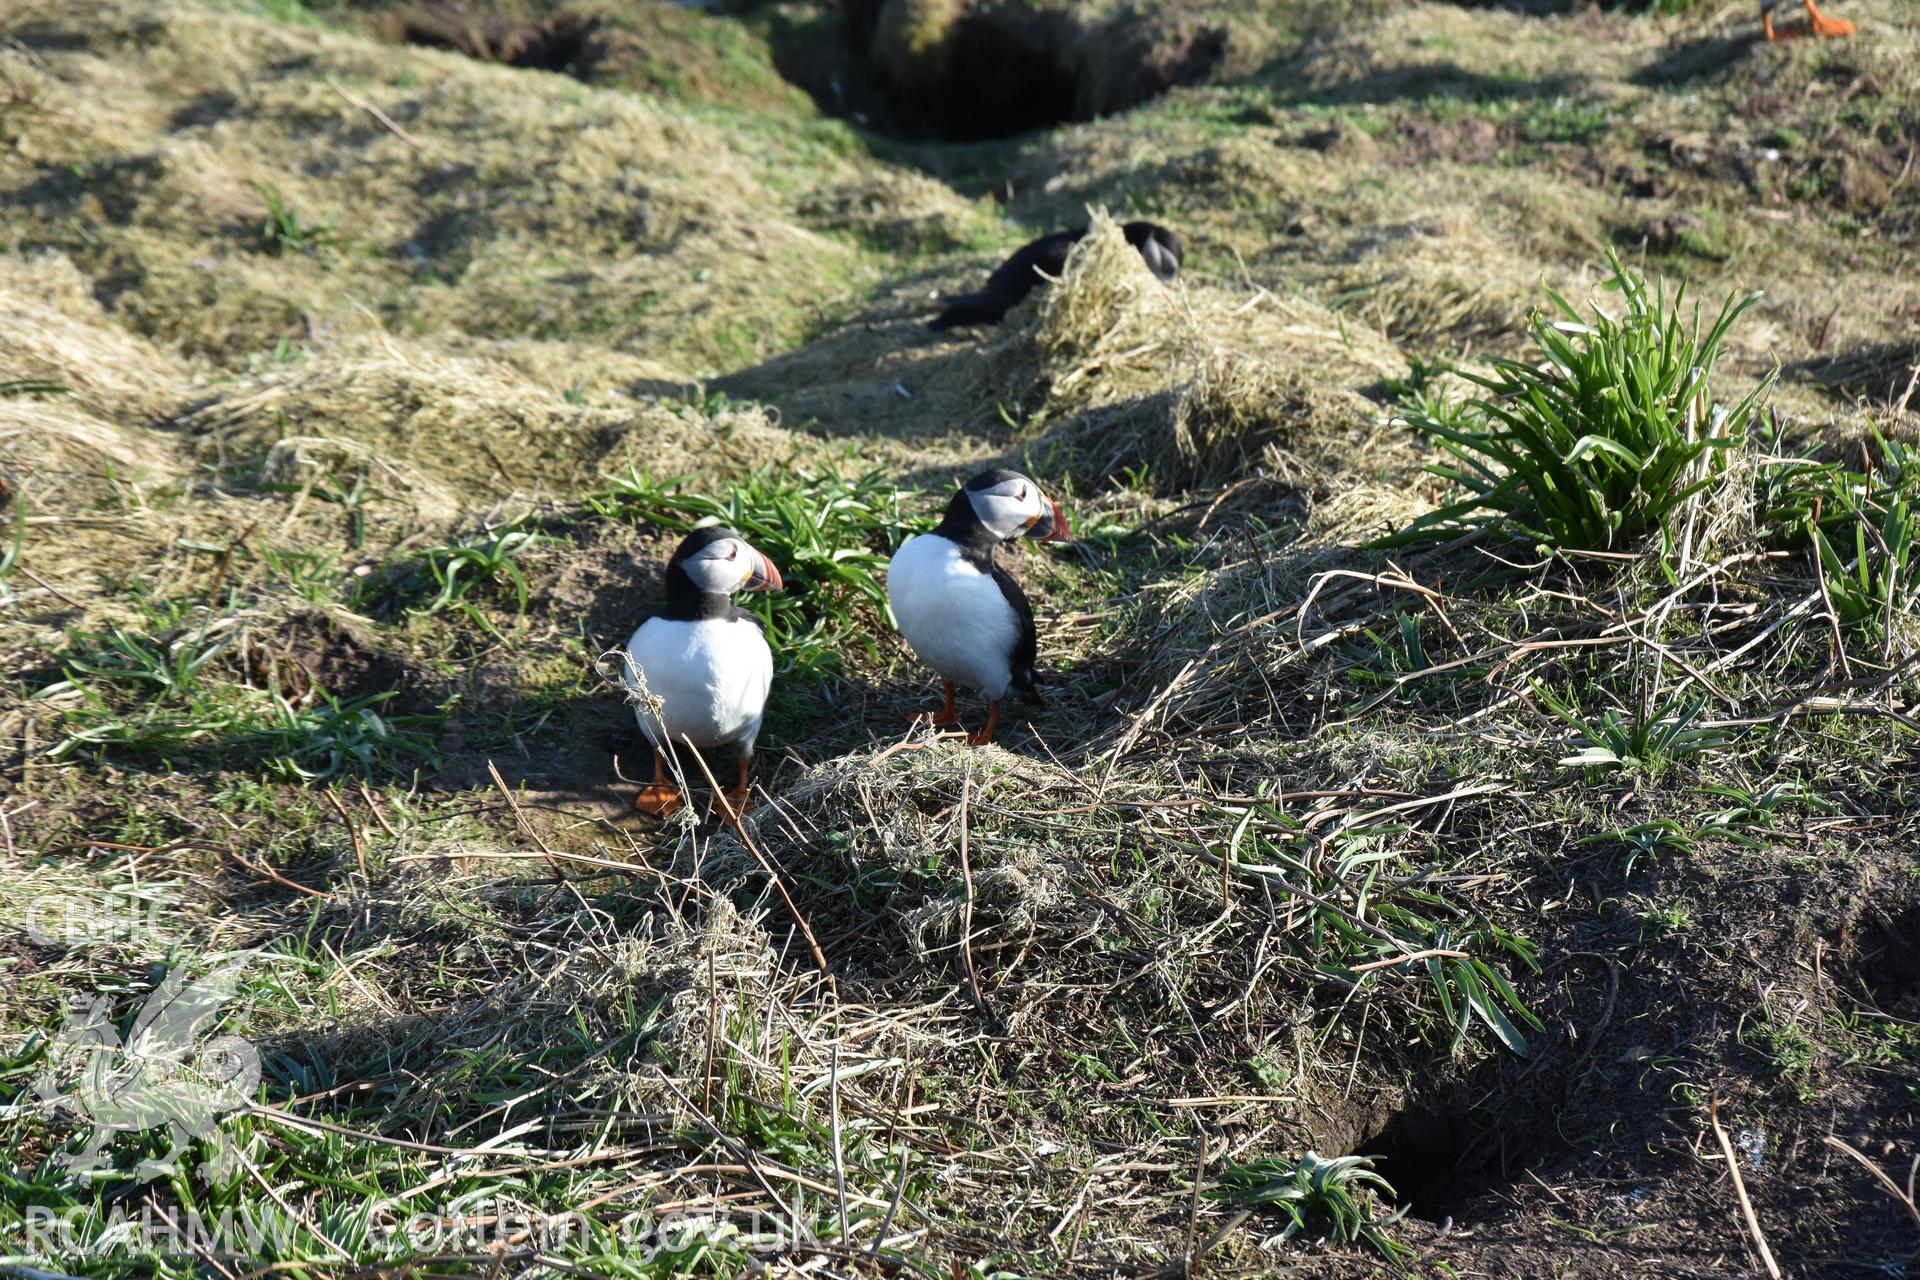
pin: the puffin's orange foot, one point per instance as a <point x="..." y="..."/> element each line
<point x="658" y="799"/>
<point x="1832" y="27"/>
<point x="985" y="736"/>
<point x="735" y="806"/>
<point x="946" y="715"/>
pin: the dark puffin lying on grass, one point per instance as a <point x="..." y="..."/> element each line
<point x="701" y="664"/>
<point x="1015" y="278"/>
<point x="963" y="614"/>
<point x="1818" y="23"/>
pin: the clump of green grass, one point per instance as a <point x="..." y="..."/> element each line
<point x="1648" y="741"/>
<point x="1599" y="443"/>
<point x="442" y="578"/>
<point x="828" y="535"/>
<point x="286" y="231"/>
<point x="1341" y="1194"/>
<point x="1359" y="917"/>
<point x="329" y="737"/>
<point x="1860" y="527"/>
<point x="1422" y="396"/>
<point x="152" y="696"/>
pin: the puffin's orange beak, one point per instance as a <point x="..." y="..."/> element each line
<point x="764" y="576"/>
<point x="1052" y="527"/>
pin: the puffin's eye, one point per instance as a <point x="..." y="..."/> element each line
<point x="1022" y="495"/>
<point x="733" y="551"/>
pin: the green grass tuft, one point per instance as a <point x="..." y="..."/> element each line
<point x="286" y="231"/>
<point x="1598" y="444"/>
<point x="1339" y="1193"/>
<point x="1652" y="738"/>
<point x="151" y="696"/>
<point x="1860" y="528"/>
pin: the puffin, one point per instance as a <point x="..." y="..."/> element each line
<point x="962" y="614"/>
<point x="705" y="660"/>
<point x="1818" y="23"/>
<point x="1015" y="278"/>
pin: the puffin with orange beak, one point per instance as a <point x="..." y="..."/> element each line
<point x="963" y="614"/>
<point x="701" y="665"/>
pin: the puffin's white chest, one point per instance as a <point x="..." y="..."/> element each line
<point x="955" y="617"/>
<point x="711" y="676"/>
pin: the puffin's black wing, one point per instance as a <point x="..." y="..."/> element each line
<point x="1016" y="277"/>
<point x="984" y="307"/>
<point x="1026" y="641"/>
<point x="1010" y="282"/>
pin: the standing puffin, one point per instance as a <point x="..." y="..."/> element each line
<point x="1818" y="23"/>
<point x="706" y="661"/>
<point x="1015" y="278"/>
<point x="963" y="614"/>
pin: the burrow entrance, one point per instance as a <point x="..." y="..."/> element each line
<point x="1446" y="1161"/>
<point x="563" y="42"/>
<point x="931" y="70"/>
<point x="970" y="70"/>
<point x="1884" y="961"/>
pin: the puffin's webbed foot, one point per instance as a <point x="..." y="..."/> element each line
<point x="1821" y="25"/>
<point x="985" y="736"/>
<point x="947" y="714"/>
<point x="659" y="799"/>
<point x="1818" y="24"/>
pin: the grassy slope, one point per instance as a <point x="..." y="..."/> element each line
<point x="277" y="519"/>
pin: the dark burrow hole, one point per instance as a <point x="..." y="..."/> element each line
<point x="561" y="43"/>
<point x="1444" y="1162"/>
<point x="984" y="70"/>
<point x="1885" y="962"/>
<point x="967" y="72"/>
<point x="314" y="652"/>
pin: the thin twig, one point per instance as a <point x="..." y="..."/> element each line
<point x="513" y="803"/>
<point x="1740" y="1187"/>
<point x="766" y="865"/>
<point x="48" y="586"/>
<point x="966" y="913"/>
<point x="377" y="114"/>
<point x="1893" y="1188"/>
<point x="900" y="1183"/>
<point x="713" y="1030"/>
<point x="374" y="808"/>
<point x="359" y="852"/>
<point x="275" y="876"/>
<point x="1193" y="1200"/>
<point x="839" y="1159"/>
<point x="1438" y="953"/>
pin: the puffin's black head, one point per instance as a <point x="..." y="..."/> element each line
<point x="718" y="561"/>
<point x="1159" y="246"/>
<point x="1007" y="505"/>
